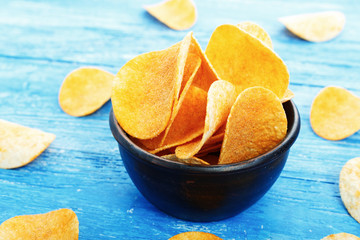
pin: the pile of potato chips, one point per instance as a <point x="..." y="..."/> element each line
<point x="183" y="104"/>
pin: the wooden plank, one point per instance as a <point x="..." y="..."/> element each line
<point x="42" y="41"/>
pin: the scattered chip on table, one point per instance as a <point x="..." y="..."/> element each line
<point x="335" y="113"/>
<point x="85" y="90"/>
<point x="341" y="236"/>
<point x="58" y="224"/>
<point x="349" y="184"/>
<point x="315" y="27"/>
<point x="195" y="236"/>
<point x="242" y="59"/>
<point x="20" y="145"/>
<point x="256" y="124"/>
<point x="176" y="14"/>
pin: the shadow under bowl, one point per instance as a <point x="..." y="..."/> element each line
<point x="204" y="193"/>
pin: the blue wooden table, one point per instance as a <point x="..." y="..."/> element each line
<point x="41" y="41"/>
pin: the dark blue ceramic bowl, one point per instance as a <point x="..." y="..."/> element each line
<point x="204" y="193"/>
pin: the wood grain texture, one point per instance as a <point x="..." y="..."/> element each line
<point x="42" y="41"/>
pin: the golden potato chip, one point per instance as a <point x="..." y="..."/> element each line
<point x="189" y="122"/>
<point x="85" y="90"/>
<point x="315" y="27"/>
<point x="221" y="96"/>
<point x="257" y="32"/>
<point x="335" y="113"/>
<point x="20" y="145"/>
<point x="256" y="124"/>
<point x="206" y="74"/>
<point x="349" y="184"/>
<point x="189" y="161"/>
<point x="195" y="236"/>
<point x="59" y="224"/>
<point x="206" y="149"/>
<point x="176" y="14"/>
<point x="242" y="59"/>
<point x="341" y="236"/>
<point x="287" y="96"/>
<point x="145" y="90"/>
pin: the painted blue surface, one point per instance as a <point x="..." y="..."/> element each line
<point x="42" y="41"/>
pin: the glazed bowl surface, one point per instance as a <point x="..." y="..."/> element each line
<point x="204" y="193"/>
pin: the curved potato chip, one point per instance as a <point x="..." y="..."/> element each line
<point x="58" y="224"/>
<point x="315" y="27"/>
<point x="20" y="145"/>
<point x="245" y="61"/>
<point x="256" y="124"/>
<point x="257" y="32"/>
<point x="221" y="97"/>
<point x="191" y="67"/>
<point x="189" y="161"/>
<point x="189" y="122"/>
<point x="85" y="90"/>
<point x="176" y="14"/>
<point x="206" y="74"/>
<point x="349" y="184"/>
<point x="195" y="236"/>
<point x="335" y="113"/>
<point x="145" y="89"/>
<point x="287" y="96"/>
<point x="341" y="236"/>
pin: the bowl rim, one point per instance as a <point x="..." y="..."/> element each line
<point x="259" y="161"/>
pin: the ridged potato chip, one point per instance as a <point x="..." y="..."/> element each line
<point x="195" y="236"/>
<point x="85" y="90"/>
<point x="349" y="184"/>
<point x="242" y="59"/>
<point x="176" y="14"/>
<point x="58" y="224"/>
<point x="256" y="124"/>
<point x="220" y="98"/>
<point x="20" y="145"/>
<point x="256" y="31"/>
<point x="341" y="236"/>
<point x="335" y="113"/>
<point x="315" y="27"/>
<point x="145" y="90"/>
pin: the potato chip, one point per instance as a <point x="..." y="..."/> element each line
<point x="257" y="32"/>
<point x="335" y="113"/>
<point x="58" y="224"/>
<point x="195" y="236"/>
<point x="349" y="184"/>
<point x="240" y="58"/>
<point x="221" y="96"/>
<point x="206" y="74"/>
<point x="20" y="145"/>
<point x="341" y="236"/>
<point x="315" y="27"/>
<point x="85" y="90"/>
<point x="190" y="161"/>
<point x="256" y="124"/>
<point x="176" y="14"/>
<point x="287" y="96"/>
<point x="189" y="122"/>
<point x="145" y="90"/>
